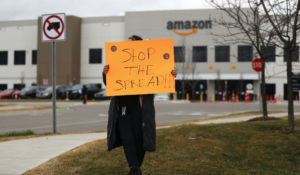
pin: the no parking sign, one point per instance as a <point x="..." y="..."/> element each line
<point x="53" y="27"/>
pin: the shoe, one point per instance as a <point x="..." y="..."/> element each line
<point x="139" y="171"/>
<point x="135" y="171"/>
<point x="132" y="171"/>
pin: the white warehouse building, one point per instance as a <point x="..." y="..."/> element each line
<point x="203" y="65"/>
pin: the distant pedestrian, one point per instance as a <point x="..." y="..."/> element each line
<point x="84" y="94"/>
<point x="131" y="124"/>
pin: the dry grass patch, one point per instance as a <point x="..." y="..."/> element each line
<point x="35" y="108"/>
<point x="8" y="137"/>
<point x="4" y="105"/>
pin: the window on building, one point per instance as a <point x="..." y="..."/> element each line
<point x="19" y="86"/>
<point x="270" y="90"/>
<point x="3" y="87"/>
<point x="269" y="52"/>
<point x="179" y="53"/>
<point x="34" y="57"/>
<point x="20" y="57"/>
<point x="200" y="54"/>
<point x="295" y="54"/>
<point x="95" y="56"/>
<point x="245" y="53"/>
<point x="3" y="57"/>
<point x="285" y="93"/>
<point x="222" y="53"/>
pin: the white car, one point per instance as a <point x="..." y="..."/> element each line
<point x="162" y="97"/>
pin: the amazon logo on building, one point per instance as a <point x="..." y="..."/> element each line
<point x="188" y="25"/>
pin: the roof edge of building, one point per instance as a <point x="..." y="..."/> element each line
<point x="104" y="19"/>
<point x="18" y="22"/>
<point x="174" y="10"/>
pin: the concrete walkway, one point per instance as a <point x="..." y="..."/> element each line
<point x="240" y="119"/>
<point x="19" y="156"/>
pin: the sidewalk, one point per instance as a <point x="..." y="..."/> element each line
<point x="19" y="156"/>
<point x="229" y="120"/>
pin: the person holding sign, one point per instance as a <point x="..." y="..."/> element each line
<point x="131" y="124"/>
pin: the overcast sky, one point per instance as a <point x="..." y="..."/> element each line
<point x="31" y="9"/>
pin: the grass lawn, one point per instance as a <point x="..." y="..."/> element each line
<point x="248" y="148"/>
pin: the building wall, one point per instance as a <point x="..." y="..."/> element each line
<point x="276" y="71"/>
<point x="153" y="25"/>
<point x="84" y="34"/>
<point x="95" y="32"/>
<point x="67" y="55"/>
<point x="18" y="35"/>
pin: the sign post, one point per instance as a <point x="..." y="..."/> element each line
<point x="54" y="85"/>
<point x="257" y="67"/>
<point x="53" y="29"/>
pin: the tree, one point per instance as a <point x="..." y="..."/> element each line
<point x="187" y="70"/>
<point x="249" y="26"/>
<point x="180" y="56"/>
<point x="283" y="16"/>
<point x="192" y="76"/>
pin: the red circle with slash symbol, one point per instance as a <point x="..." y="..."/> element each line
<point x="59" y="33"/>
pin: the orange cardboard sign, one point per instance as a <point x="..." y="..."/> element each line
<point x="140" y="67"/>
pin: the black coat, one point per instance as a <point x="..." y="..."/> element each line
<point x="148" y="121"/>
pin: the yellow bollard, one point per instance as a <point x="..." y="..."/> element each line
<point x="175" y="96"/>
<point x="213" y="98"/>
<point x="201" y="98"/>
<point x="187" y="96"/>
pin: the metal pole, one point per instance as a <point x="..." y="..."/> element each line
<point x="54" y="85"/>
<point x="259" y="92"/>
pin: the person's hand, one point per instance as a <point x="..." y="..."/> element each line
<point x="174" y="73"/>
<point x="106" y="69"/>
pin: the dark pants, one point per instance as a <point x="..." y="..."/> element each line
<point x="84" y="97"/>
<point x="130" y="127"/>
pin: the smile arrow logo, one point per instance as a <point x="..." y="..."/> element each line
<point x="194" y="30"/>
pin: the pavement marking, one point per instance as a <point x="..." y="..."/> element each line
<point x="103" y="115"/>
<point x="196" y="113"/>
<point x="213" y="115"/>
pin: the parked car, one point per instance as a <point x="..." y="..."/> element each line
<point x="91" y="90"/>
<point x="61" y="92"/>
<point x="101" y="95"/>
<point x="30" y="92"/>
<point x="6" y="93"/>
<point x="76" y="91"/>
<point x="44" y="93"/>
<point x="162" y="97"/>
